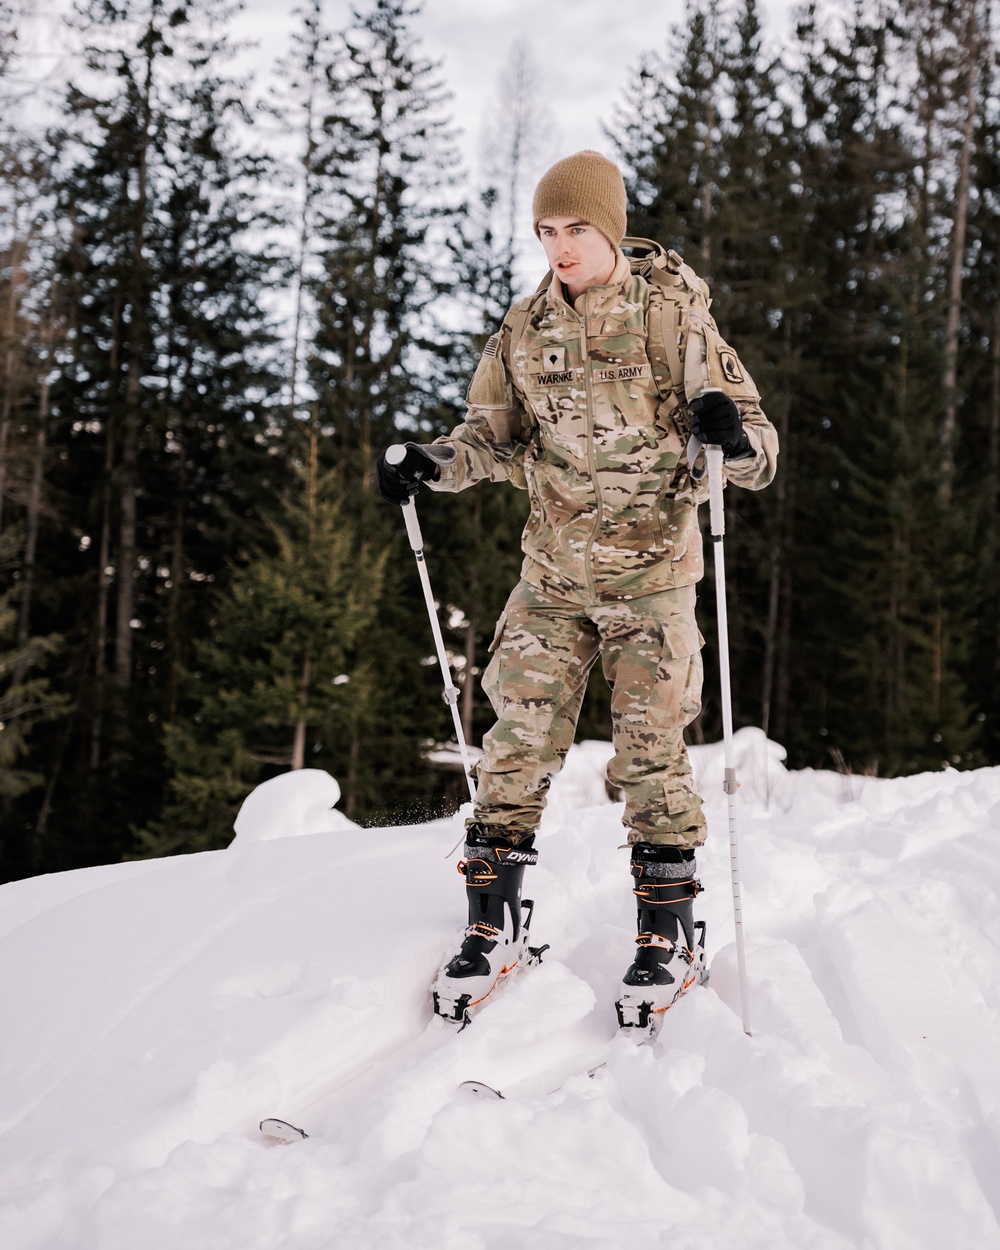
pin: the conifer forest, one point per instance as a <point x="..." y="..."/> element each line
<point x="207" y="337"/>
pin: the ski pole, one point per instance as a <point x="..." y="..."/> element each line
<point x="395" y="455"/>
<point x="717" y="518"/>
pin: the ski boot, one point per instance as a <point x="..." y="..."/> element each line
<point x="671" y="955"/>
<point x="496" y="941"/>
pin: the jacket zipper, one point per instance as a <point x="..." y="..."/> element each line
<point x="591" y="457"/>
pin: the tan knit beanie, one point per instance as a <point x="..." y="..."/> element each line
<point x="586" y="185"/>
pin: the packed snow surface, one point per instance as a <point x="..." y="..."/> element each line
<point x="154" y="1013"/>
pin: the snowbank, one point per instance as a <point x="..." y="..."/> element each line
<point x="153" y="1013"/>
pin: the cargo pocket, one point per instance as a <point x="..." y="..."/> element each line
<point x="490" y="682"/>
<point x="680" y="796"/>
<point x="675" y="699"/>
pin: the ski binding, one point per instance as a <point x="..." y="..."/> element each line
<point x="457" y="1006"/>
<point x="641" y="1009"/>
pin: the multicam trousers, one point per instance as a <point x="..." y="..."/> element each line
<point x="543" y="651"/>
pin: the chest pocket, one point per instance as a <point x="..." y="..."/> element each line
<point x="622" y="382"/>
<point x="625" y="392"/>
<point x="555" y="383"/>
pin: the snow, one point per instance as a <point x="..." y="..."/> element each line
<point x="291" y="805"/>
<point x="153" y="1013"/>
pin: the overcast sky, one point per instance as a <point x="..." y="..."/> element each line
<point x="584" y="48"/>
<point x="584" y="56"/>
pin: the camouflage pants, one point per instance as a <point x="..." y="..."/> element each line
<point x="543" y="651"/>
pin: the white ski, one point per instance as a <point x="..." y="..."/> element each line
<point x="281" y="1131"/>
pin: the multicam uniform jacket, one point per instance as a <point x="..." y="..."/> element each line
<point x="573" y="412"/>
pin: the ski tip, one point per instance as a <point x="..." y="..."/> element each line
<point x="282" y="1131"/>
<point x="479" y="1089"/>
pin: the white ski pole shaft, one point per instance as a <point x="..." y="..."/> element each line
<point x="717" y="518"/>
<point x="450" y="690"/>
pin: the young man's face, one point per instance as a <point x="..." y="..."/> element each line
<point x="577" y="252"/>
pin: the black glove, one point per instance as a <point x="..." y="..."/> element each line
<point x="715" y="420"/>
<point x="397" y="482"/>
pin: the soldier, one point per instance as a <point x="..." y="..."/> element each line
<point x="580" y="397"/>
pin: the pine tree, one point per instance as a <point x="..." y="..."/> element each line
<point x="759" y="295"/>
<point x="386" y="163"/>
<point x="160" y="426"/>
<point x="26" y="700"/>
<point x="886" y="690"/>
<point x="979" y="464"/>
<point x="668" y="136"/>
<point x="285" y="678"/>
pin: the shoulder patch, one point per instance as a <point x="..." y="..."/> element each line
<point x="492" y="345"/>
<point x="730" y="363"/>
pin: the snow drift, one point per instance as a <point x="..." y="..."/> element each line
<point x="153" y="1013"/>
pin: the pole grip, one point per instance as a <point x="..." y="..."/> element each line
<point x="716" y="504"/>
<point x="412" y="525"/>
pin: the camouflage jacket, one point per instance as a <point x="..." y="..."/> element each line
<point x="573" y="413"/>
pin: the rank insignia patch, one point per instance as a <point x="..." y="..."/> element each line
<point x="554" y="359"/>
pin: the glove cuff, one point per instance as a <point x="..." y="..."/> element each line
<point x="742" y="449"/>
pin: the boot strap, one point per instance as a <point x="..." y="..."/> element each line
<point x="658" y="893"/>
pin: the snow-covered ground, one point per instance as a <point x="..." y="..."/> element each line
<point x="153" y="1013"/>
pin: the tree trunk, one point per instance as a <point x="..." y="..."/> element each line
<point x="34" y="504"/>
<point x="773" y="657"/>
<point x="299" y="742"/>
<point x="11" y="370"/>
<point x="308" y="194"/>
<point x="957" y="262"/>
<point x="993" y="502"/>
<point x="129" y="471"/>
<point x="105" y="576"/>
<point x="177" y="581"/>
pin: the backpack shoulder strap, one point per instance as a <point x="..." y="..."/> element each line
<point x="662" y="344"/>
<point x="675" y="326"/>
<point x="516" y="321"/>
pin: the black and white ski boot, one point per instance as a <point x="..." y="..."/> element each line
<point x="496" y="942"/>
<point x="671" y="955"/>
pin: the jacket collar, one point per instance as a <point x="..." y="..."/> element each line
<point x="556" y="293"/>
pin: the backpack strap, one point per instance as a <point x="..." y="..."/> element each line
<point x="678" y="313"/>
<point x="661" y="344"/>
<point x="515" y="323"/>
